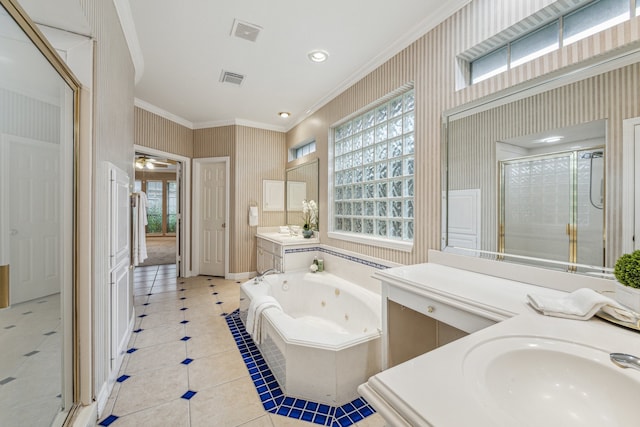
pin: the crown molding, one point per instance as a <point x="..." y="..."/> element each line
<point x="162" y="113"/>
<point x="447" y="9"/>
<point x="123" y="10"/>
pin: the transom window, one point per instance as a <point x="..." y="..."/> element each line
<point x="576" y="25"/>
<point x="302" y="150"/>
<point x="373" y="168"/>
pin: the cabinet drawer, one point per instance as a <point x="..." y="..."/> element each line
<point x="458" y="318"/>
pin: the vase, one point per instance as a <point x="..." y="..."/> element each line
<point x="307" y="233"/>
<point x="628" y="296"/>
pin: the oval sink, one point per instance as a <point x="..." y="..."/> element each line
<point x="547" y="382"/>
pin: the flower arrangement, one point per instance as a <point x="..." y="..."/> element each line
<point x="310" y="214"/>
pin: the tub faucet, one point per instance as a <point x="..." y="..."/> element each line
<point x="625" y="360"/>
<point x="260" y="276"/>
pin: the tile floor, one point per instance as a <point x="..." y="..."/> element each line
<point x="30" y="362"/>
<point x="183" y="367"/>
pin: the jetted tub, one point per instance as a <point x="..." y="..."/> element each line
<point x="326" y="339"/>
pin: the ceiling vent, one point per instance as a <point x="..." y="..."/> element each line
<point x="233" y="78"/>
<point x="245" y="30"/>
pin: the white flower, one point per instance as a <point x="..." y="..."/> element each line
<point x="313" y="268"/>
<point x="310" y="213"/>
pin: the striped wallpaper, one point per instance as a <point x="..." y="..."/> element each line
<point x="613" y="96"/>
<point x="17" y="117"/>
<point x="113" y="139"/>
<point x="156" y="132"/>
<point x="431" y="64"/>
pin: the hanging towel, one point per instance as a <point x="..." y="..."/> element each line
<point x="582" y="305"/>
<point x="140" y="233"/>
<point x="254" y="317"/>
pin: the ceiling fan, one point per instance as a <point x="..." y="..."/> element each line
<point x="145" y="162"/>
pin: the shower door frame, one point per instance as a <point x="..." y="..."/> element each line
<point x="572" y="225"/>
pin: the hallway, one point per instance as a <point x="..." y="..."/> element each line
<point x="183" y="367"/>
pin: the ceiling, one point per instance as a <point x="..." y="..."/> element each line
<point x="185" y="46"/>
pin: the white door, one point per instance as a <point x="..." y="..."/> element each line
<point x="34" y="223"/>
<point x="636" y="145"/>
<point x="212" y="213"/>
<point x="119" y="248"/>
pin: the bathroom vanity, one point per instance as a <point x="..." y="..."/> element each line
<point x="503" y="364"/>
<point x="271" y="245"/>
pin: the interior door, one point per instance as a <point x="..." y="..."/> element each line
<point x="212" y="211"/>
<point x="34" y="218"/>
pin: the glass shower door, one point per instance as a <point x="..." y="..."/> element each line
<point x="36" y="233"/>
<point x="537" y="206"/>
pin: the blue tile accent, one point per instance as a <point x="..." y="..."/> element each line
<point x="131" y="350"/>
<point x="184" y="308"/>
<point x="146" y="303"/>
<point x="189" y="394"/>
<point x="186" y="361"/>
<point x="183" y="297"/>
<point x="185" y="338"/>
<point x="339" y="255"/>
<point x="143" y="315"/>
<point x="215" y="293"/>
<point x="184" y="322"/>
<point x="219" y="302"/>
<point x="137" y="331"/>
<point x="123" y="378"/>
<point x="271" y="395"/>
<point x="107" y="421"/>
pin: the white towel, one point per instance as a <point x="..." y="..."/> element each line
<point x="140" y="233"/>
<point x="254" y="317"/>
<point x="582" y="305"/>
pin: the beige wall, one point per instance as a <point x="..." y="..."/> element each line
<point x="153" y="131"/>
<point x="255" y="154"/>
<point x="112" y="142"/>
<point x="430" y="63"/>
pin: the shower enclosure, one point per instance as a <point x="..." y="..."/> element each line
<point x="551" y="206"/>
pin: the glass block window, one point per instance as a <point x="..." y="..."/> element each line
<point x="373" y="168"/>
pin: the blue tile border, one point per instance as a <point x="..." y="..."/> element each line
<point x="339" y="255"/>
<point x="276" y="402"/>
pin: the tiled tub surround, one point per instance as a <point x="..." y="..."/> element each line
<point x="276" y="402"/>
<point x="183" y="367"/>
<point x="350" y="266"/>
<point x="326" y="339"/>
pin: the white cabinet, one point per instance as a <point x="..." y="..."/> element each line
<point x="269" y="255"/>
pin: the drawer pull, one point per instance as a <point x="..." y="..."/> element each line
<point x="431" y="309"/>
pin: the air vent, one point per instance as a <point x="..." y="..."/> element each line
<point x="233" y="78"/>
<point x="245" y="30"/>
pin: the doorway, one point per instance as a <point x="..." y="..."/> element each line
<point x="39" y="99"/>
<point x="161" y="176"/>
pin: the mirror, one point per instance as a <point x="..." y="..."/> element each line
<point x="301" y="184"/>
<point x="525" y="177"/>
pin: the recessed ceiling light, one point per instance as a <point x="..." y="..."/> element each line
<point x="551" y="139"/>
<point x="318" y="55"/>
<point x="284" y="114"/>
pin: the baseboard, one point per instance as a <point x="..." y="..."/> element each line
<point x="85" y="416"/>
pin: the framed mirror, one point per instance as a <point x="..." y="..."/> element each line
<point x="527" y="176"/>
<point x="301" y="184"/>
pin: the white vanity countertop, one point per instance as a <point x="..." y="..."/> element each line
<point x="273" y="235"/>
<point x="434" y="389"/>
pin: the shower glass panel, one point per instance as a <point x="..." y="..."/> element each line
<point x="36" y="232"/>
<point x="536" y="206"/>
<point x="551" y="206"/>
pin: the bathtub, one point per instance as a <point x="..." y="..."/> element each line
<point x="326" y="340"/>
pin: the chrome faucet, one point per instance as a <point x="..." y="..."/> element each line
<point x="260" y="276"/>
<point x="625" y="360"/>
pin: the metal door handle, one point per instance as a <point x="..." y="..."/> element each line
<point x="224" y="225"/>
